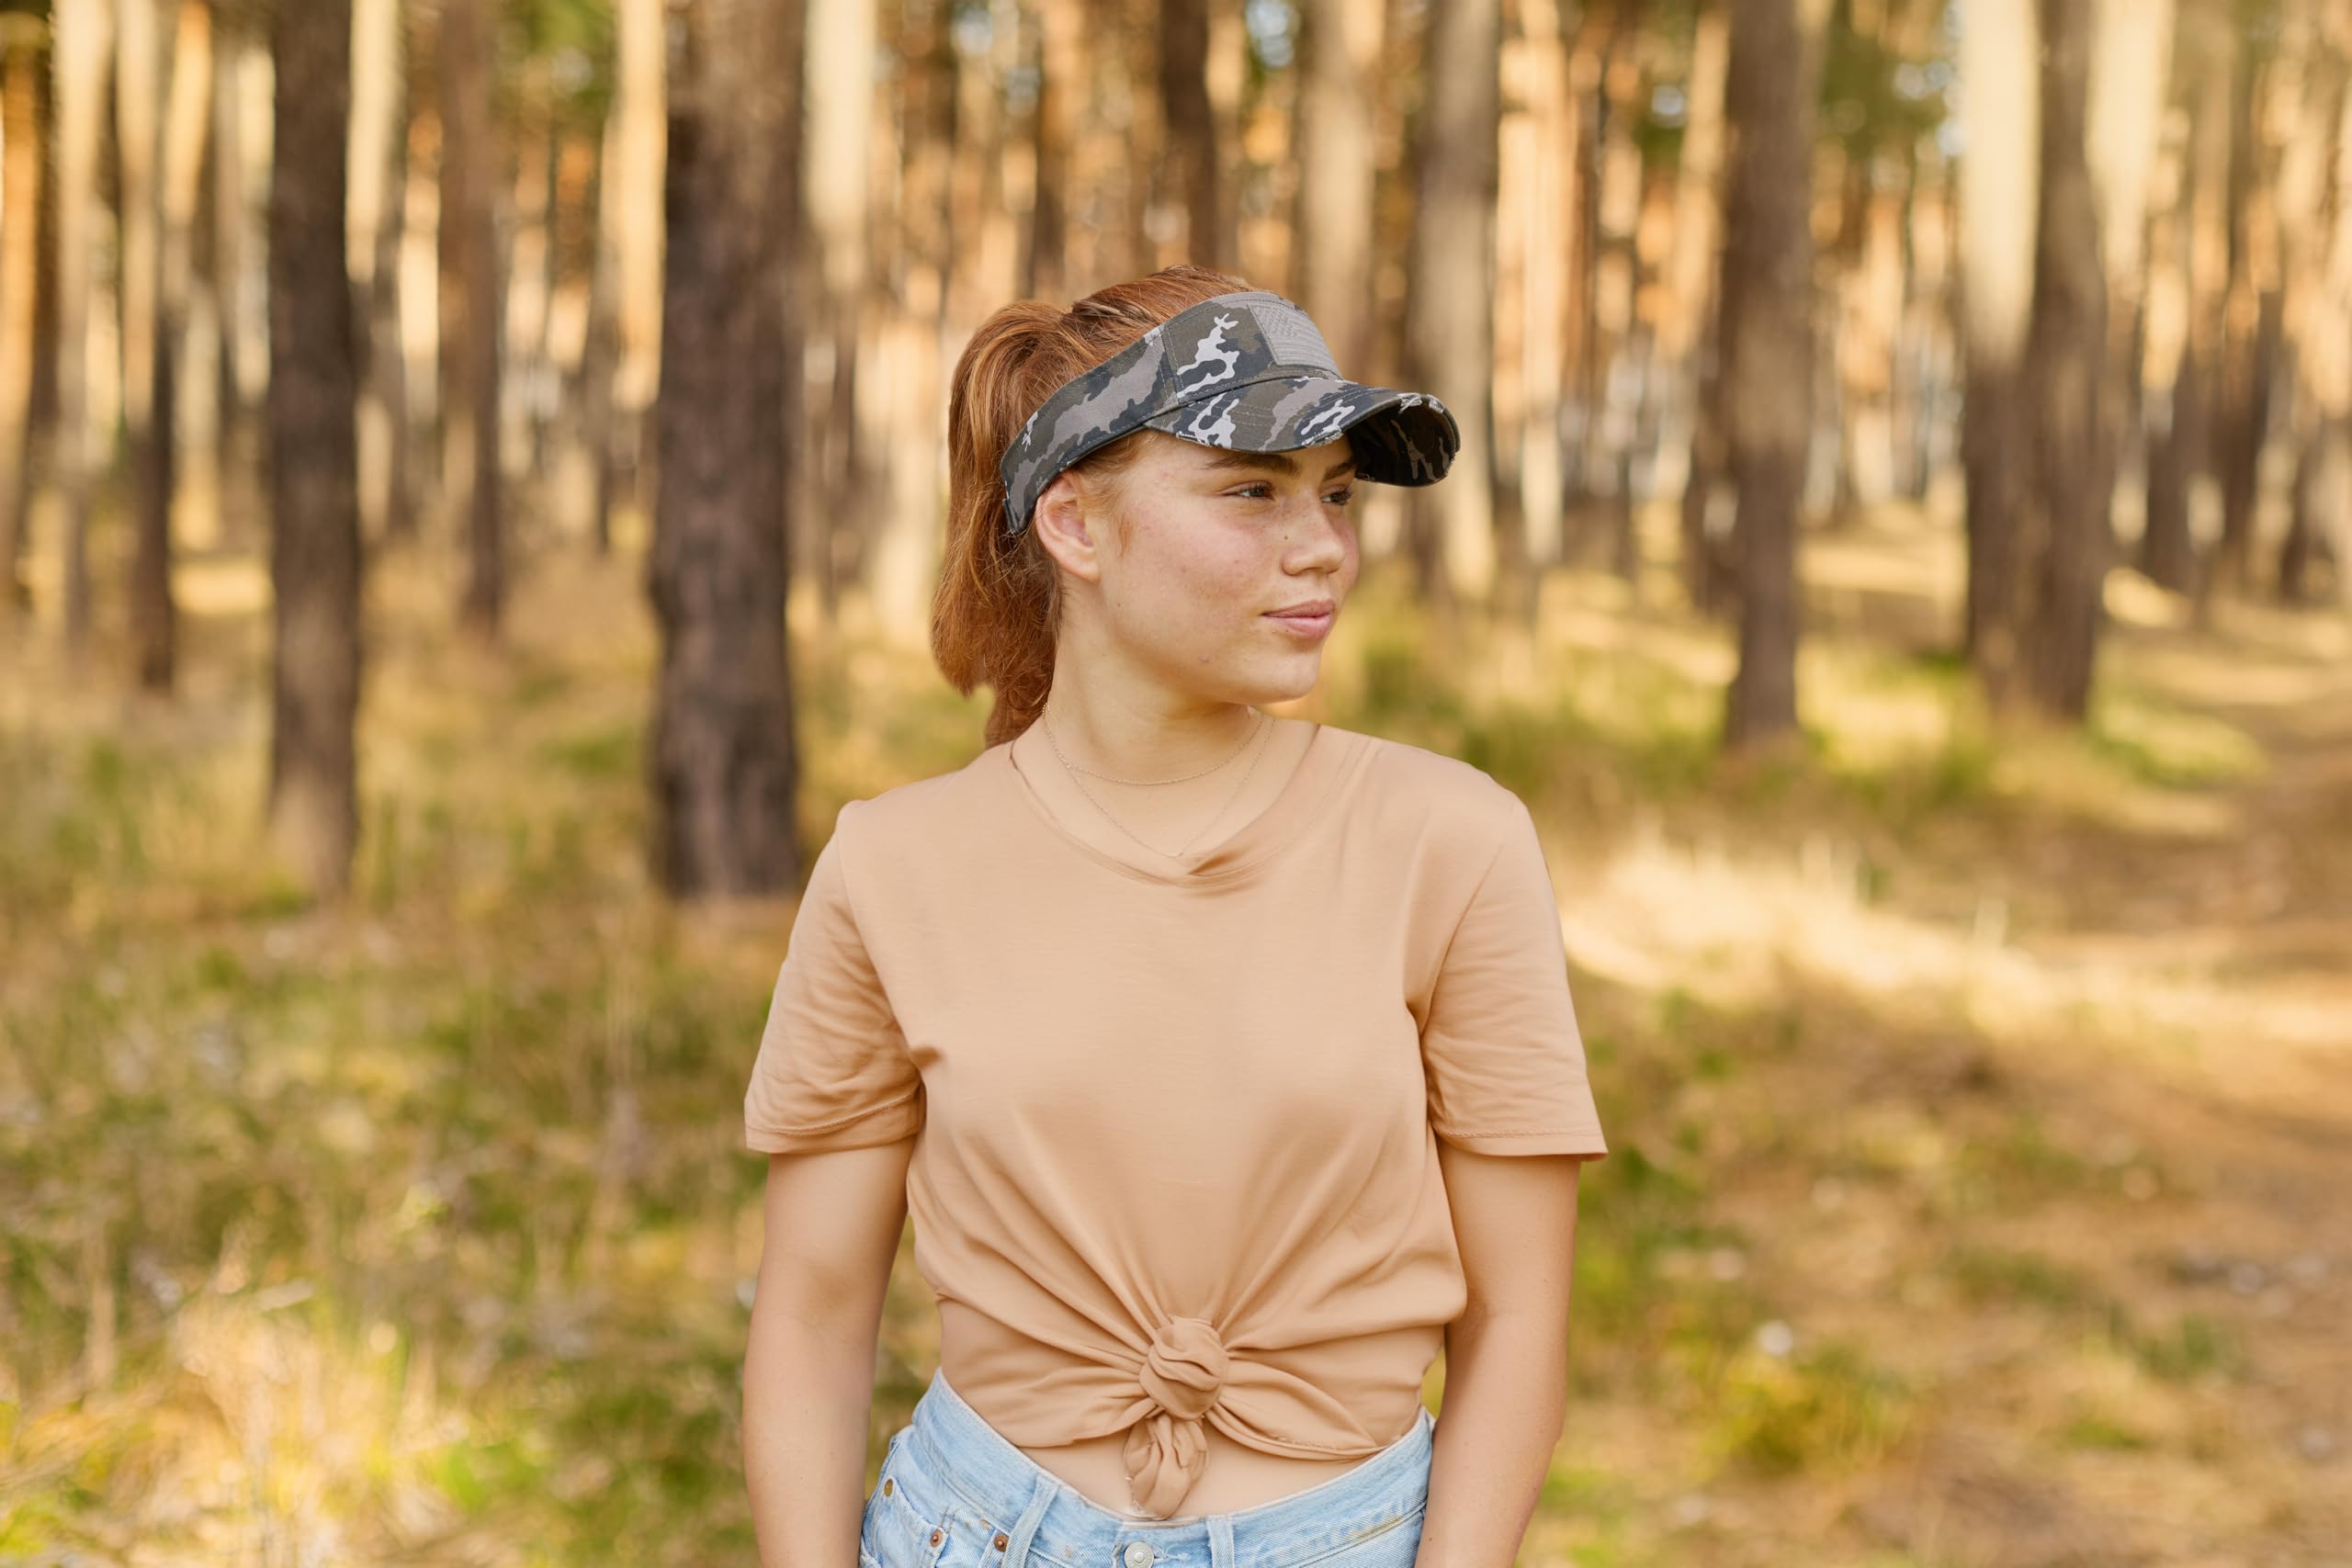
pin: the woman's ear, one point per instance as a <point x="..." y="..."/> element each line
<point x="1064" y="512"/>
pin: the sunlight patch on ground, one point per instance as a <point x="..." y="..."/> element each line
<point x="1737" y="931"/>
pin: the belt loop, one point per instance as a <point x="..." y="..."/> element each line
<point x="1016" y="1551"/>
<point x="1221" y="1541"/>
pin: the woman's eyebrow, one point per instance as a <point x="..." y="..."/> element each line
<point x="1280" y="462"/>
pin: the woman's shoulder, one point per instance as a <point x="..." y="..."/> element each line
<point x="959" y="798"/>
<point x="1441" y="802"/>
<point x="1401" y="771"/>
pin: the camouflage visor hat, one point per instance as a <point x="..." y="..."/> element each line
<point x="1246" y="372"/>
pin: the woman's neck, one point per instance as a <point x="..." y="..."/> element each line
<point x="1116" y="745"/>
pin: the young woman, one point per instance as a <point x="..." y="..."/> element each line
<point x="1226" y="1063"/>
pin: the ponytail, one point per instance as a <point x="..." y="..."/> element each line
<point x="996" y="611"/>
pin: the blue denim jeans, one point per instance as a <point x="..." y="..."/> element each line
<point x="953" y="1493"/>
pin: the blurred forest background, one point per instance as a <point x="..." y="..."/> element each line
<point x="470" y="487"/>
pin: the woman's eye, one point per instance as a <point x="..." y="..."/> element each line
<point x="1260" y="491"/>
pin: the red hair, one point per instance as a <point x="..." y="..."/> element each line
<point x="996" y="611"/>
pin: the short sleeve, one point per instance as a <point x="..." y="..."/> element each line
<point x="1504" y="1060"/>
<point x="833" y="1071"/>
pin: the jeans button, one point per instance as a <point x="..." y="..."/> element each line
<point x="1138" y="1554"/>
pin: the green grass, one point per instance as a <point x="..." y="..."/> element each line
<point x="1822" y="1409"/>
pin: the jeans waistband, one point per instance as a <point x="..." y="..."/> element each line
<point x="1057" y="1526"/>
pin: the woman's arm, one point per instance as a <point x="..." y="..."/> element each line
<point x="833" y="1219"/>
<point x="1505" y="1355"/>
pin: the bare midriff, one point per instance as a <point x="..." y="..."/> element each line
<point x="1235" y="1476"/>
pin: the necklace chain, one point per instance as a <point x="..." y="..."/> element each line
<point x="1264" y="728"/>
<point x="1153" y="784"/>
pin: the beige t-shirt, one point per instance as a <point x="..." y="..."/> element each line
<point x="1176" y="1129"/>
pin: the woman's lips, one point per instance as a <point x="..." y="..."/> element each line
<point x="1304" y="626"/>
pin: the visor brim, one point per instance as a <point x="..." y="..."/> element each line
<point x="1400" y="437"/>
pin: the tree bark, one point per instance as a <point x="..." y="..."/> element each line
<point x="1191" y="136"/>
<point x="1450" y="324"/>
<point x="1768" y="344"/>
<point x="2197" y="263"/>
<point x="43" y="412"/>
<point x="902" y="566"/>
<point x="1340" y="56"/>
<point x="2251" y="326"/>
<point x="315" y="553"/>
<point x="1692" y="263"/>
<point x="84" y="40"/>
<point x="841" y="107"/>
<point x="380" y="200"/>
<point x="20" y="183"/>
<point x="722" y="757"/>
<point x="1998" y="199"/>
<point x="599" y="353"/>
<point x="2130" y="68"/>
<point x="1061" y="90"/>
<point x="1530" y="314"/>
<point x="472" y="315"/>
<point x="140" y="79"/>
<point x="635" y="198"/>
<point x="2314" y="219"/>
<point x="2064" y="554"/>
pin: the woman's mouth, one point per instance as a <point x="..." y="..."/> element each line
<point x="1308" y="624"/>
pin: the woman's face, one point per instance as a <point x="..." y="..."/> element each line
<point x="1211" y="545"/>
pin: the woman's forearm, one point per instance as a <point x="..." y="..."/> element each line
<point x="807" y="1401"/>
<point x="1506" y="1398"/>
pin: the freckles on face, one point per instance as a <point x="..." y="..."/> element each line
<point x="1206" y="549"/>
<point x="1195" y="576"/>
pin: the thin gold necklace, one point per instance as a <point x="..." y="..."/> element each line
<point x="1263" y="729"/>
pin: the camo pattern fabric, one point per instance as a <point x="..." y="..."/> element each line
<point x="1246" y="371"/>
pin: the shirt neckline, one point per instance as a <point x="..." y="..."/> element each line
<point x="1307" y="787"/>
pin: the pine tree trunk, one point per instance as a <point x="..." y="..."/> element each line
<point x="2179" y="457"/>
<point x="20" y="182"/>
<point x="1684" y="328"/>
<point x="2313" y="220"/>
<point x="141" y="84"/>
<point x="1340" y="57"/>
<point x="1529" y="317"/>
<point x="2064" y="554"/>
<point x="1450" y="340"/>
<point x="1768" y="344"/>
<point x="42" y="415"/>
<point x="385" y="362"/>
<point x="85" y="39"/>
<point x="599" y="355"/>
<point x="472" y="316"/>
<point x="2131" y="67"/>
<point x="635" y="195"/>
<point x="1060" y="89"/>
<point x="2251" y="339"/>
<point x="902" y="567"/>
<point x="1191" y="140"/>
<point x="723" y="761"/>
<point x="316" y="557"/>
<point x="189" y="308"/>
<point x="1999" y="181"/>
<point x="841" y="107"/>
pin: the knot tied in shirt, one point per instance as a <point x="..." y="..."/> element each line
<point x="1166" y="1450"/>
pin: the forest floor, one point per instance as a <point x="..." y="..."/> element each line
<point x="1980" y="1102"/>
